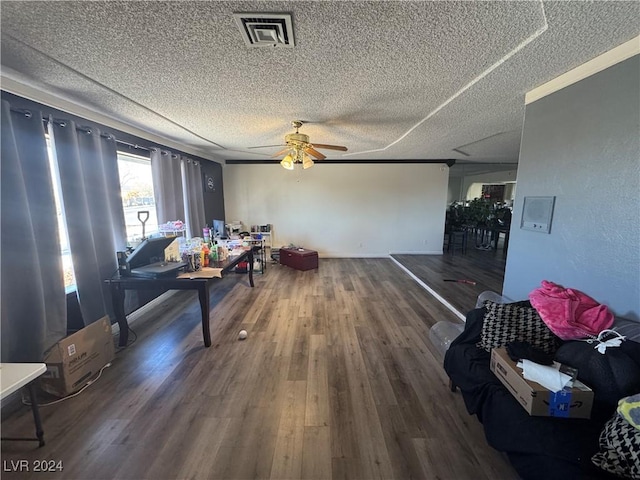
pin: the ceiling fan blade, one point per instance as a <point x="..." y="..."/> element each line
<point x="281" y="152"/>
<point x="269" y="146"/>
<point x="330" y="147"/>
<point x="313" y="152"/>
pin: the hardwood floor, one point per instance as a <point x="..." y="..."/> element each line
<point x="485" y="267"/>
<point x="336" y="380"/>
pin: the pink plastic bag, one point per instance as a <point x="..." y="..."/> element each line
<point x="570" y="314"/>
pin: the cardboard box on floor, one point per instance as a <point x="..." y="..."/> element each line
<point x="536" y="399"/>
<point x="78" y="358"/>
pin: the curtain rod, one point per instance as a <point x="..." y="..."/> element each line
<point x="121" y="142"/>
<point x="46" y="118"/>
<point x="133" y="145"/>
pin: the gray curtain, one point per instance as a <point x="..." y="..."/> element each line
<point x="34" y="315"/>
<point x="167" y="186"/>
<point x="194" y="197"/>
<point x="88" y="166"/>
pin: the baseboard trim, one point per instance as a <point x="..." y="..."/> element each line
<point x="137" y="314"/>
<point x="422" y="252"/>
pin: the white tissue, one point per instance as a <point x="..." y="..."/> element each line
<point x="546" y="375"/>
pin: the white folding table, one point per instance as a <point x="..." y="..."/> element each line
<point x="14" y="376"/>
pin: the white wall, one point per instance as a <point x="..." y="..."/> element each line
<point x="581" y="145"/>
<point x="454" y="191"/>
<point x="343" y="210"/>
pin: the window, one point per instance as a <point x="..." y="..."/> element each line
<point x="137" y="196"/>
<point x="65" y="251"/>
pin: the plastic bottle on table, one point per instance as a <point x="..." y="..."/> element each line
<point x="205" y="252"/>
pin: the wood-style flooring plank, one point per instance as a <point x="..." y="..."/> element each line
<point x="317" y="398"/>
<point x="373" y="453"/>
<point x="288" y="453"/>
<point x="316" y="457"/>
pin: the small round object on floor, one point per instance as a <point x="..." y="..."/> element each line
<point x="242" y="335"/>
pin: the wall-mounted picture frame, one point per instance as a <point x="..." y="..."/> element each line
<point x="537" y="213"/>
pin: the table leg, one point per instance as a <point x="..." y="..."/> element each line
<point x="203" y="296"/>
<point x="495" y="238"/>
<point x="117" y="300"/>
<point x="251" y="267"/>
<point x="36" y="414"/>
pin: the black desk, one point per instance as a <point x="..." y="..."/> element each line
<point x="119" y="285"/>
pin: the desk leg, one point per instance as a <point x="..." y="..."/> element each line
<point x="36" y="414"/>
<point x="203" y="296"/>
<point x="117" y="300"/>
<point x="251" y="266"/>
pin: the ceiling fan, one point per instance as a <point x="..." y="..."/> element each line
<point x="300" y="150"/>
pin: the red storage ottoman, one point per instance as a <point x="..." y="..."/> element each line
<point x="299" y="258"/>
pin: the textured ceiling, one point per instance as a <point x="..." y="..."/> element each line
<point x="390" y="80"/>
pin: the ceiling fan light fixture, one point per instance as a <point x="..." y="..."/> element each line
<point x="307" y="162"/>
<point x="287" y="162"/>
<point x="300" y="150"/>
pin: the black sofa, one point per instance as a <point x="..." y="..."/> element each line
<point x="543" y="447"/>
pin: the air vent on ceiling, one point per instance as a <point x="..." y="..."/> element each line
<point x="265" y="29"/>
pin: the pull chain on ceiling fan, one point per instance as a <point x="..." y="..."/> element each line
<point x="300" y="150"/>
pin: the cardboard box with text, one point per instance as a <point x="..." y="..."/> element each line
<point x="536" y="399"/>
<point x="78" y="358"/>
